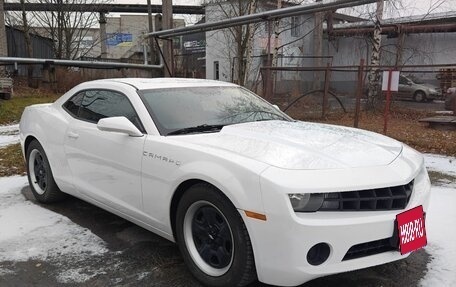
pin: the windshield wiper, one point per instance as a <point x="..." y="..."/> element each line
<point x="197" y="129"/>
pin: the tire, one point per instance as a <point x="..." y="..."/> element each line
<point x="419" y="96"/>
<point x="213" y="239"/>
<point x="40" y="176"/>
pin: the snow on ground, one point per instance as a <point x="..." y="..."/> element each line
<point x="28" y="231"/>
<point x="441" y="226"/>
<point x="441" y="163"/>
<point x="9" y="135"/>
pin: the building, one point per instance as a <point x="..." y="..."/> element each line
<point x="418" y="40"/>
<point x="42" y="48"/>
<point x="191" y="58"/>
<point x="295" y="45"/>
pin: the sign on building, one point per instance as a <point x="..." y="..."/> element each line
<point x="119" y="39"/>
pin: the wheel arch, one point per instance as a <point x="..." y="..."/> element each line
<point x="27" y="142"/>
<point x="180" y="191"/>
<point x="420" y="91"/>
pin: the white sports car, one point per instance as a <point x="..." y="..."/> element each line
<point x="246" y="192"/>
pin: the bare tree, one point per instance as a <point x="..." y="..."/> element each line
<point x="240" y="36"/>
<point x="68" y="29"/>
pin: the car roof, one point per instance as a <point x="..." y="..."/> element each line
<point x="160" y="83"/>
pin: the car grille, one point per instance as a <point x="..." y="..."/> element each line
<point x="387" y="198"/>
<point x="371" y="248"/>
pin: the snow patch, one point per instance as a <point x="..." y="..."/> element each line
<point x="142" y="275"/>
<point x="441" y="232"/>
<point x="28" y="231"/>
<point x="9" y="135"/>
<point x="77" y="275"/>
<point x="440" y="163"/>
<point x="5" y="271"/>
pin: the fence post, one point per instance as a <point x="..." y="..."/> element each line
<point x="359" y="91"/>
<point x="326" y="89"/>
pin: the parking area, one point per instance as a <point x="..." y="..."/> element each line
<point x="109" y="250"/>
<point x="73" y="243"/>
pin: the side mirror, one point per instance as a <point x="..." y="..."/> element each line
<point x="119" y="125"/>
<point x="276" y="106"/>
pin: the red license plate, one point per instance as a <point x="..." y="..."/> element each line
<point x="411" y="230"/>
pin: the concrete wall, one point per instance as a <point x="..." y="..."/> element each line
<point x="221" y="48"/>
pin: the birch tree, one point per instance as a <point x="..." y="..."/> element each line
<point x="374" y="73"/>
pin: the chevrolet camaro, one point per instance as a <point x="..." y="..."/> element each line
<point x="245" y="191"/>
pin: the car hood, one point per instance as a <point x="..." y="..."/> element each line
<point x="302" y="145"/>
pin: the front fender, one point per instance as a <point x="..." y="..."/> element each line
<point x="240" y="186"/>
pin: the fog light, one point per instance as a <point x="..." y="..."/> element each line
<point x="318" y="254"/>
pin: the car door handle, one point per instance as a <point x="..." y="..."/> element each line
<point x="73" y="135"/>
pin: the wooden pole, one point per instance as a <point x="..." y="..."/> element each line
<point x="103" y="35"/>
<point x="167" y="8"/>
<point x="3" y="43"/>
<point x="326" y="90"/>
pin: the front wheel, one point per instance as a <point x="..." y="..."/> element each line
<point x="40" y="175"/>
<point x="213" y="239"/>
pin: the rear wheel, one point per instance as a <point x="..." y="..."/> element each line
<point x="419" y="96"/>
<point x="213" y="239"/>
<point x="40" y="175"/>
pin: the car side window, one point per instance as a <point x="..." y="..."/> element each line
<point x="74" y="103"/>
<point x="93" y="105"/>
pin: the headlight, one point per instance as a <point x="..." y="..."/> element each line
<point x="306" y="202"/>
<point x="433" y="91"/>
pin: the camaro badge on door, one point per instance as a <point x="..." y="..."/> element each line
<point x="161" y="158"/>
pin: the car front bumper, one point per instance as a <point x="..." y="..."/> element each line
<point x="282" y="242"/>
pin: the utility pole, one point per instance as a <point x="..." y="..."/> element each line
<point x="3" y="43"/>
<point x="374" y="73"/>
<point x="103" y="37"/>
<point x="167" y="9"/>
<point x="151" y="29"/>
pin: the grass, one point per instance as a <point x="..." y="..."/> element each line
<point x="11" y="160"/>
<point x="11" y="110"/>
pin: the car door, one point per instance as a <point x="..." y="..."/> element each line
<point x="405" y="88"/>
<point x="106" y="166"/>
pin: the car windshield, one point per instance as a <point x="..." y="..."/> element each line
<point x="206" y="109"/>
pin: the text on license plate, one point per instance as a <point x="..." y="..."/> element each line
<point x="411" y="229"/>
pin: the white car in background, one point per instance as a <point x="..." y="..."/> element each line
<point x="245" y="191"/>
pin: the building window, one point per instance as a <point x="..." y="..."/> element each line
<point x="294" y="26"/>
<point x="216" y="70"/>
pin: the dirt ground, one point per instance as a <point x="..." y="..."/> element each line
<point x="403" y="123"/>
